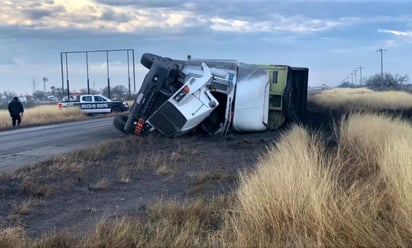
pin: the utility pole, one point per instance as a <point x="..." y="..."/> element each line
<point x="380" y="50"/>
<point x="355" y="72"/>
<point x="360" y="74"/>
<point x="352" y="78"/>
<point x="34" y="85"/>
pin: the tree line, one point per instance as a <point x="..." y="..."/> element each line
<point x="116" y="92"/>
<point x="381" y="82"/>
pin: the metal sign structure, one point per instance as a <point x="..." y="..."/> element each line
<point x="64" y="66"/>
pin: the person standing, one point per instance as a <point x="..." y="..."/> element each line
<point x="16" y="110"/>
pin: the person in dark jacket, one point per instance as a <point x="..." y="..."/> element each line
<point x="16" y="111"/>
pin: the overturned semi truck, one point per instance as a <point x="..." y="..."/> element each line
<point x="215" y="96"/>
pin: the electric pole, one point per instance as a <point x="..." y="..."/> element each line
<point x="34" y="85"/>
<point x="360" y="74"/>
<point x="355" y="72"/>
<point x="380" y="50"/>
<point x="352" y="78"/>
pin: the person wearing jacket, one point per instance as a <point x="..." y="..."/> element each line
<point x="16" y="110"/>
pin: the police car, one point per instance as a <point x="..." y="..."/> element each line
<point x="95" y="104"/>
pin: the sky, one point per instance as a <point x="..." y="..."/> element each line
<point x="337" y="40"/>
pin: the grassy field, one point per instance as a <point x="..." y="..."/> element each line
<point x="303" y="192"/>
<point x="362" y="99"/>
<point x="43" y="114"/>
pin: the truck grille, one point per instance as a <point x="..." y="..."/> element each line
<point x="168" y="120"/>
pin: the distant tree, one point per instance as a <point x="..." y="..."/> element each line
<point x="40" y="95"/>
<point x="9" y="95"/>
<point x="58" y="92"/>
<point x="52" y="90"/>
<point x="84" y="91"/>
<point x="386" y="81"/>
<point x="116" y="92"/>
<point x="345" y="84"/>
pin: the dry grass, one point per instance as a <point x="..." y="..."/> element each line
<point x="362" y="99"/>
<point x="101" y="184"/>
<point x="202" y="181"/>
<point x="285" y="201"/>
<point x="35" y="187"/>
<point x="63" y="239"/>
<point x="14" y="237"/>
<point x="43" y="114"/>
<point x="168" y="224"/>
<point x="359" y="195"/>
<point x="300" y="194"/>
<point x="25" y="207"/>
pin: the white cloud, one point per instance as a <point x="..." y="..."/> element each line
<point x="89" y="15"/>
<point x="396" y="32"/>
<point x="400" y="38"/>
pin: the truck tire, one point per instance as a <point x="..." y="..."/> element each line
<point x="147" y="59"/>
<point x="119" y="122"/>
<point x="116" y="109"/>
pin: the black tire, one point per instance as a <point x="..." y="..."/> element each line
<point x="147" y="59"/>
<point x="119" y="122"/>
<point x="116" y="109"/>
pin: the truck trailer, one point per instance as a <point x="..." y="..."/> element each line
<point x="215" y="96"/>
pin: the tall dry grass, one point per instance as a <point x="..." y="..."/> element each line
<point x="285" y="202"/>
<point x="168" y="224"/>
<point x="43" y="114"/>
<point x="357" y="195"/>
<point x="362" y="99"/>
<point x="300" y="194"/>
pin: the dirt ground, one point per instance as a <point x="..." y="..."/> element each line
<point x="191" y="166"/>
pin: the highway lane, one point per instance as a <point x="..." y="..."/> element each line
<point x="27" y="146"/>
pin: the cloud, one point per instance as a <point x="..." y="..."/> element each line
<point x="396" y="32"/>
<point x="400" y="38"/>
<point x="144" y="3"/>
<point x="278" y="23"/>
<point x="132" y="17"/>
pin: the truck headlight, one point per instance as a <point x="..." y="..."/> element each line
<point x="212" y="104"/>
<point x="179" y="96"/>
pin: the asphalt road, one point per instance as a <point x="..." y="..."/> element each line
<point x="27" y="146"/>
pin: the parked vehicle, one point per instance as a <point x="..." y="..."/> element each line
<point x="94" y="104"/>
<point x="216" y="96"/>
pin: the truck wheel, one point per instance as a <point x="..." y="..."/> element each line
<point x="147" y="59"/>
<point x="116" y="109"/>
<point x="119" y="122"/>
